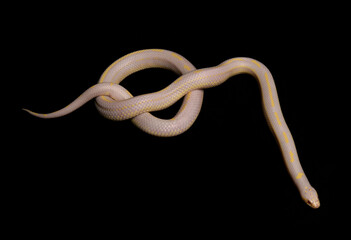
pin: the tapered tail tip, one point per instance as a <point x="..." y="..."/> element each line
<point x="28" y="111"/>
<point x="34" y="113"/>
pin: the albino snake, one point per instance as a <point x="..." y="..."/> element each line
<point x="116" y="103"/>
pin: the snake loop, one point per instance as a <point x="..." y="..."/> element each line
<point x="115" y="102"/>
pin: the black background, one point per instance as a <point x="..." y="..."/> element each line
<point x="82" y="169"/>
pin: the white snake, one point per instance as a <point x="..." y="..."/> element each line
<point x="116" y="103"/>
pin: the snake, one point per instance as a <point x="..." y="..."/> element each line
<point x="115" y="102"/>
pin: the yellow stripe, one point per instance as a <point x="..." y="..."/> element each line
<point x="291" y="156"/>
<point x="277" y="117"/>
<point x="286" y="137"/>
<point x="186" y="67"/>
<point x="232" y="60"/>
<point x="269" y="89"/>
<point x="104" y="97"/>
<point x="156" y="50"/>
<point x="177" y="56"/>
<point x="113" y="64"/>
<point x="255" y="62"/>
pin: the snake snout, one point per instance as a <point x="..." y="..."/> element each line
<point x="314" y="204"/>
<point x="311" y="198"/>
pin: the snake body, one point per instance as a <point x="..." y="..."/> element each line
<point x="115" y="102"/>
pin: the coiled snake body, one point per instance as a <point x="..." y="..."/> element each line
<point x="116" y="103"/>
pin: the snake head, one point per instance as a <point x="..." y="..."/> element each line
<point x="310" y="196"/>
